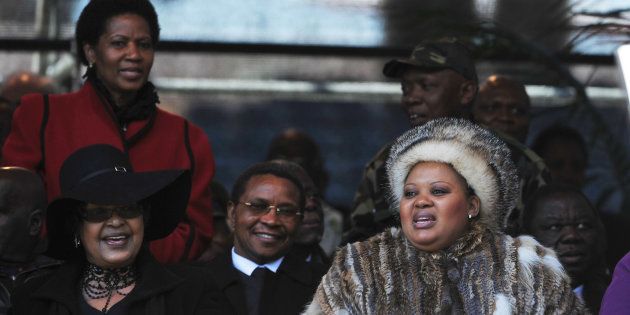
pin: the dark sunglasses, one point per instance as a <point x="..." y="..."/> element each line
<point x="101" y="214"/>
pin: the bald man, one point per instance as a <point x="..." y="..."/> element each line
<point x="22" y="213"/>
<point x="503" y="105"/>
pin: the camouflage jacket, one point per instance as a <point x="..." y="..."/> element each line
<point x="371" y="212"/>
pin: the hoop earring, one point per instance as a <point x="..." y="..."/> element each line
<point x="77" y="241"/>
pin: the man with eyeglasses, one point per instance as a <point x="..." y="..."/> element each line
<point x="260" y="275"/>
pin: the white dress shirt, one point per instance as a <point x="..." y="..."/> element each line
<point x="247" y="266"/>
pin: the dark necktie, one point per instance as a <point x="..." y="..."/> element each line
<point x="254" y="288"/>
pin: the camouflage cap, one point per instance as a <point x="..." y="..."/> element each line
<point x="445" y="53"/>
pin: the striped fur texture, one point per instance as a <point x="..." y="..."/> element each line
<point x="475" y="153"/>
<point x="482" y="273"/>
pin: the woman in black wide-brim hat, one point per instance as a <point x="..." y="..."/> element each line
<point x="101" y="225"/>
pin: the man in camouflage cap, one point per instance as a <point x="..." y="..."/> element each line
<point x="437" y="80"/>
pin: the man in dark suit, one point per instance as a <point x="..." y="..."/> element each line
<point x="22" y="213"/>
<point x="260" y="275"/>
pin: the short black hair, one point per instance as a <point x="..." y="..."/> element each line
<point x="94" y="17"/>
<point x="541" y="194"/>
<point x="21" y="190"/>
<point x="266" y="168"/>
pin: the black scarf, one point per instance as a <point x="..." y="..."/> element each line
<point x="141" y="108"/>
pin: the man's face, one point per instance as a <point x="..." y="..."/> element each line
<point x="22" y="200"/>
<point x="428" y="95"/>
<point x="264" y="237"/>
<point x="566" y="223"/>
<point x="312" y="227"/>
<point x="566" y="161"/>
<point x="14" y="230"/>
<point x="504" y="109"/>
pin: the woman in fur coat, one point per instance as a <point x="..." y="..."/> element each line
<point x="452" y="183"/>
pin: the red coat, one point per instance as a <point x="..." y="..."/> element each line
<point x="79" y="119"/>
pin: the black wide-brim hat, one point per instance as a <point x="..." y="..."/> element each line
<point x="102" y="174"/>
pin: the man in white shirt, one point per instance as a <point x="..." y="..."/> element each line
<point x="260" y="276"/>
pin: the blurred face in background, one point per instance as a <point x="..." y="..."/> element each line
<point x="503" y="105"/>
<point x="312" y="228"/>
<point x="14" y="228"/>
<point x="566" y="161"/>
<point x="22" y="212"/>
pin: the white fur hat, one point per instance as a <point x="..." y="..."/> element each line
<point x="475" y="153"/>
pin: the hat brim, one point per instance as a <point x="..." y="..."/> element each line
<point x="166" y="193"/>
<point x="395" y="67"/>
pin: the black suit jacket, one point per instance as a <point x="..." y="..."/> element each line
<point x="292" y="287"/>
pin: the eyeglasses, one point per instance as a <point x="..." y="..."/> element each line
<point x="260" y="209"/>
<point x="101" y="214"/>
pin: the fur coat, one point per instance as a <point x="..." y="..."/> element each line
<point x="482" y="273"/>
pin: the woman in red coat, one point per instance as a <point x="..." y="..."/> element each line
<point x="117" y="106"/>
